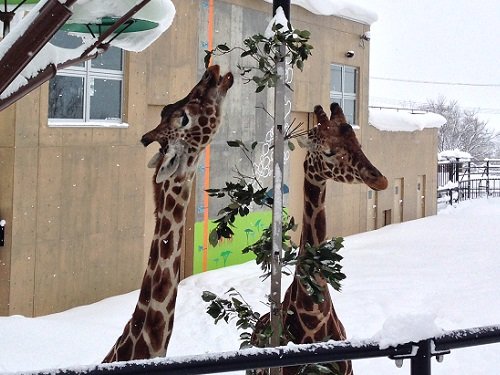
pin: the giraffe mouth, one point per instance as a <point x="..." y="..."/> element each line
<point x="225" y="82"/>
<point x="380" y="183"/>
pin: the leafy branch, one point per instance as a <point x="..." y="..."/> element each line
<point x="233" y="308"/>
<point x="263" y="248"/>
<point x="266" y="52"/>
<point x="321" y="260"/>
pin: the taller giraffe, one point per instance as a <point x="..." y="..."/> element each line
<point x="185" y="129"/>
<point x="334" y="153"/>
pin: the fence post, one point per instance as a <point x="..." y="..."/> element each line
<point x="421" y="362"/>
<point x="468" y="183"/>
<point x="488" y="178"/>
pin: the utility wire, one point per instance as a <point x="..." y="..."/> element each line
<point x="437" y="82"/>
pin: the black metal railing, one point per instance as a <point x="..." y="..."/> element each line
<point x="418" y="353"/>
<point x="462" y="180"/>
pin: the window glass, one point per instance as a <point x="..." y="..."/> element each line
<point x="111" y="59"/>
<point x="350" y="110"/>
<point x="89" y="92"/>
<point x="350" y="80"/>
<point x="105" y="99"/>
<point x="343" y="89"/>
<point x="66" y="97"/>
<point x="336" y="78"/>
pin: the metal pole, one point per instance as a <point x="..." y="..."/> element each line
<point x="421" y="363"/>
<point x="278" y="175"/>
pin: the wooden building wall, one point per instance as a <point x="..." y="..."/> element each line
<point x="78" y="201"/>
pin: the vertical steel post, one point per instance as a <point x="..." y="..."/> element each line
<point x="278" y="175"/>
<point x="421" y="362"/>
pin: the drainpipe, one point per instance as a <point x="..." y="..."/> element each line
<point x="2" y="232"/>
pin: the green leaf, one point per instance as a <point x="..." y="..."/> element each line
<point x="208" y="296"/>
<point x="223" y="47"/>
<point x="233" y="143"/>
<point x="213" y="238"/>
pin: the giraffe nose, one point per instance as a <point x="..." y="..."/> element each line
<point x="147" y="139"/>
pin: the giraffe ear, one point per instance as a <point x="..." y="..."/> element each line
<point x="154" y="160"/>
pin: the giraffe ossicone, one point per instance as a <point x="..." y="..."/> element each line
<point x="186" y="128"/>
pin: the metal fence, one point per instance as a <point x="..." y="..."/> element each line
<point x="462" y="180"/>
<point x="420" y="355"/>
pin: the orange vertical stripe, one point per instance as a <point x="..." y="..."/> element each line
<point x="206" y="180"/>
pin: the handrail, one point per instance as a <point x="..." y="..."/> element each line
<point x="420" y="355"/>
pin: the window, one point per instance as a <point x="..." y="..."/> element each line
<point x="344" y="89"/>
<point x="87" y="94"/>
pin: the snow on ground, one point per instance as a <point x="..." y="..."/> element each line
<point x="404" y="281"/>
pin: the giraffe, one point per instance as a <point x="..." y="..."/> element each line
<point x="334" y="153"/>
<point x="185" y="129"/>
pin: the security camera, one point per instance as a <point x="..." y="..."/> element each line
<point x="349" y="54"/>
<point x="366" y="36"/>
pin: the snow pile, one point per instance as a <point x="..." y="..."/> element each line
<point x="405" y="121"/>
<point x="340" y="8"/>
<point x="405" y="328"/>
<point x="404" y="282"/>
<point x="278" y="19"/>
<point x="454" y="154"/>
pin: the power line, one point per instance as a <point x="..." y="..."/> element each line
<point x="437" y="82"/>
<point x="410" y="104"/>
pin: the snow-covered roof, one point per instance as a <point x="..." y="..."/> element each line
<point x="454" y="154"/>
<point x="161" y="12"/>
<point x="403" y="120"/>
<point x="340" y="8"/>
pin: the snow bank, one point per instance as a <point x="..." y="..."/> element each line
<point x="340" y="8"/>
<point x="405" y="121"/>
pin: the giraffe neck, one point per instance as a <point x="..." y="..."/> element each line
<point x="313" y="219"/>
<point x="309" y="320"/>
<point x="148" y="332"/>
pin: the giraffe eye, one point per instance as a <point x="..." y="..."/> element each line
<point x="329" y="154"/>
<point x="185" y="120"/>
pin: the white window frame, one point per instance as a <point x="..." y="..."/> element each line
<point x="341" y="96"/>
<point x="89" y="73"/>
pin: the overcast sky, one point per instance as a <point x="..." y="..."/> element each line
<point x="454" y="41"/>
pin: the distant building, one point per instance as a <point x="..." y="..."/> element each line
<point x="75" y="190"/>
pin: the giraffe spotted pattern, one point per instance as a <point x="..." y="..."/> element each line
<point x="185" y="129"/>
<point x="334" y="153"/>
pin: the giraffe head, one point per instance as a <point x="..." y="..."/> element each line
<point x="335" y="153"/>
<point x="187" y="126"/>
